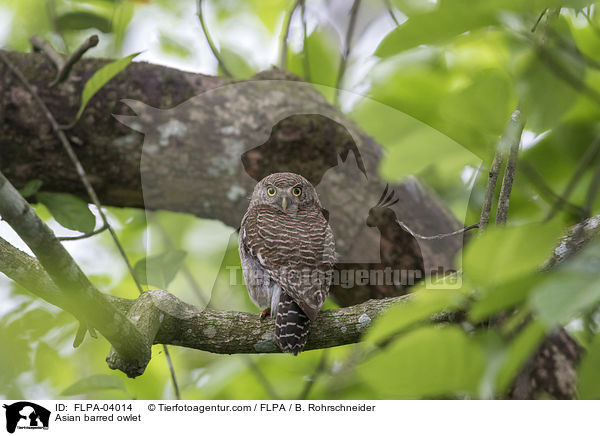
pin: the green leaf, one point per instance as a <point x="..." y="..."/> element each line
<point x="503" y="254"/>
<point x="323" y="52"/>
<point x="588" y="379"/>
<point x="31" y="188"/>
<point x="469" y="108"/>
<point x="452" y="18"/>
<point x="468" y="114"/>
<point x="425" y="363"/>
<point x="84" y="20"/>
<point x="93" y="383"/>
<point x="69" y="211"/>
<point x="565" y="295"/>
<point x="270" y="11"/>
<point x="436" y="26"/>
<point x="399" y="132"/>
<point x="502" y="296"/>
<point x="159" y="270"/>
<point x="101" y="78"/>
<point x="422" y="306"/>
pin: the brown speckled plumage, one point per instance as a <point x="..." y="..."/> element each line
<point x="287" y="256"/>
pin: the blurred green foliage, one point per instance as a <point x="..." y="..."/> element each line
<point x="437" y="92"/>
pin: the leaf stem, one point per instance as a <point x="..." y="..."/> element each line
<point x="210" y="42"/>
<point x="347" y="49"/>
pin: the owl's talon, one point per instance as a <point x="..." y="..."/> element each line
<point x="265" y="313"/>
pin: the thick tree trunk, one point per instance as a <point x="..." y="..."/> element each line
<point x="205" y="151"/>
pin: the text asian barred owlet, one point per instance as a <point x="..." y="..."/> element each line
<point x="287" y="253"/>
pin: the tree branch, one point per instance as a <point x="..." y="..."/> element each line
<point x="169" y="320"/>
<point x="83" y="236"/>
<point x="545" y="191"/>
<point x="175" y="322"/>
<point x="63" y="66"/>
<point x="83" y="177"/>
<point x="588" y="156"/>
<point x="513" y="137"/>
<point x="490" y="190"/>
<point x="85" y="301"/>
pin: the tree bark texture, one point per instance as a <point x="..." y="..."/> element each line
<point x="206" y="142"/>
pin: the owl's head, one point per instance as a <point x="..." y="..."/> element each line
<point x="284" y="191"/>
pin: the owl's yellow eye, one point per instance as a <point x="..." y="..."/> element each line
<point x="297" y="191"/>
<point x="271" y="191"/>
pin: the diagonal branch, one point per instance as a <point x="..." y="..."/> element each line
<point x="88" y="187"/>
<point x="545" y="191"/>
<point x="490" y="189"/>
<point x="588" y="156"/>
<point x="513" y="136"/>
<point x="84" y="300"/>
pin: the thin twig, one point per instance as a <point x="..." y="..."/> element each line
<point x="439" y="236"/>
<point x="210" y="42"/>
<point x="573" y="50"/>
<point x="593" y="25"/>
<point x="319" y="369"/>
<point x="592" y="193"/>
<point x="538" y="20"/>
<point x="515" y="130"/>
<point x="40" y="44"/>
<point x="305" y="58"/>
<point x="588" y="156"/>
<point x="347" y="49"/>
<point x="567" y="76"/>
<point x="390" y="9"/>
<point x="260" y="376"/>
<point x="72" y="288"/>
<point x="63" y="72"/>
<point x="490" y="191"/>
<point x="84" y="236"/>
<point x="63" y="67"/>
<point x="544" y="190"/>
<point x="284" y="36"/>
<point x="172" y="372"/>
<point x="85" y="180"/>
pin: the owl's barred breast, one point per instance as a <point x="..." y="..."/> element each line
<point x="292" y="245"/>
<point x="287" y="251"/>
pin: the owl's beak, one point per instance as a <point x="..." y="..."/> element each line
<point x="284" y="203"/>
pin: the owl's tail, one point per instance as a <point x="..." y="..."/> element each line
<point x="291" y="325"/>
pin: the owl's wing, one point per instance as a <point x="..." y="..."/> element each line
<point x="297" y="251"/>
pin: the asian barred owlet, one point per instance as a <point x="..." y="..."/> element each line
<point x="287" y="252"/>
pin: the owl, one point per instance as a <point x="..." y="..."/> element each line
<point x="287" y="253"/>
